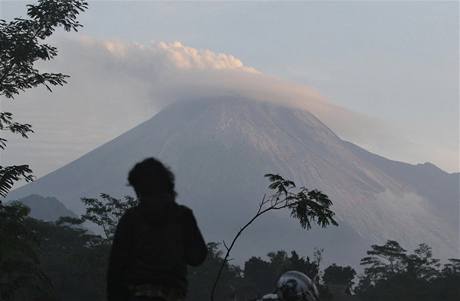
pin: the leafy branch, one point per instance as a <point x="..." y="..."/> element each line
<point x="106" y="211"/>
<point x="7" y="124"/>
<point x="11" y="174"/>
<point x="307" y="206"/>
<point x="20" y="48"/>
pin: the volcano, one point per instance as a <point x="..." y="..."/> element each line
<point x="220" y="150"/>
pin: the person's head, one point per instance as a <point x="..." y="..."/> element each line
<point x="150" y="177"/>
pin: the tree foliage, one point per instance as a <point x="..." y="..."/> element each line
<point x="21" y="44"/>
<point x="21" y="275"/>
<point x="11" y="174"/>
<point x="21" y="47"/>
<point x="392" y="273"/>
<point x="384" y="261"/>
<point x="306" y="206"/>
<point x="74" y="259"/>
<point x="339" y="275"/>
<point x="106" y="211"/>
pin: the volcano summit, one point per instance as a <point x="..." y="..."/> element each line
<point x="220" y="151"/>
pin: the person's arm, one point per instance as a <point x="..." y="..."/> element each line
<point x="118" y="261"/>
<point x="195" y="246"/>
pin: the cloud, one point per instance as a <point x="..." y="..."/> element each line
<point x="190" y="58"/>
<point x="173" y="54"/>
<point x="115" y="85"/>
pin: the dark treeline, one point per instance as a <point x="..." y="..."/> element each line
<point x="63" y="261"/>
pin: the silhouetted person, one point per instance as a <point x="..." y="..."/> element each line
<point x="154" y="242"/>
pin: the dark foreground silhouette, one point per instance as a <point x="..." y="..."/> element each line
<point x="154" y="241"/>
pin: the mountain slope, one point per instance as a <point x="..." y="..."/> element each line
<point x="220" y="150"/>
<point x="427" y="180"/>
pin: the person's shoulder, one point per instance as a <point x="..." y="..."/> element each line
<point x="185" y="213"/>
<point x="182" y="209"/>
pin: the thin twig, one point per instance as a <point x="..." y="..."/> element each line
<point x="259" y="212"/>
<point x="225" y="244"/>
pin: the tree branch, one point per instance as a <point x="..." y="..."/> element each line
<point x="282" y="198"/>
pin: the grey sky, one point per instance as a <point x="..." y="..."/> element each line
<point x="397" y="61"/>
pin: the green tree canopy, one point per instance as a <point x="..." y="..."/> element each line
<point x="106" y="211"/>
<point x="394" y="274"/>
<point x="21" y="48"/>
<point x="339" y="275"/>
